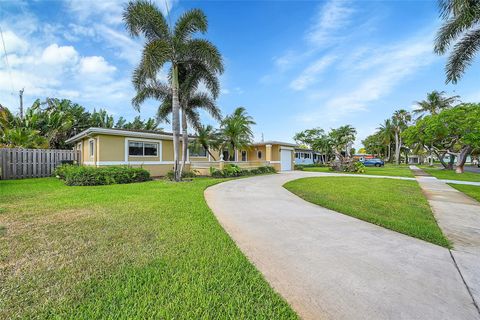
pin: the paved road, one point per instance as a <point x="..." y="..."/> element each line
<point x="332" y="266"/>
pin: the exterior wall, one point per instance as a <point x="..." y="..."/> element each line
<point x="111" y="148"/>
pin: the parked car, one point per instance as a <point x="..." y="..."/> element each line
<point x="373" y="162"/>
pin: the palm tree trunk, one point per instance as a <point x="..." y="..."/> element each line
<point x="397" y="148"/>
<point x="208" y="150"/>
<point x="184" y="139"/>
<point x="176" y="124"/>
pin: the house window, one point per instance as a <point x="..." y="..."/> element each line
<point x="91" y="147"/>
<point x="297" y="156"/>
<point x="259" y="154"/>
<point x="244" y="155"/>
<point x="307" y="155"/>
<point x="197" y="152"/>
<point x="136" y="148"/>
<point x="227" y="157"/>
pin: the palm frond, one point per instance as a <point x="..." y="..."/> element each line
<point x="145" y="18"/>
<point x="204" y="51"/>
<point x="190" y="22"/>
<point x="201" y="100"/>
<point x="155" y="54"/>
<point x="463" y="53"/>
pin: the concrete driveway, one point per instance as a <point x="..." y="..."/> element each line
<point x="331" y="266"/>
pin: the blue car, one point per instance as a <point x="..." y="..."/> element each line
<point x="373" y="162"/>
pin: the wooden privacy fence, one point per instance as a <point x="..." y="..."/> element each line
<point x="32" y="163"/>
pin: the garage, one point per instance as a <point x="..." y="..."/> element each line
<point x="286" y="159"/>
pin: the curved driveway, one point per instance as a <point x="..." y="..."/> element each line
<point x="331" y="266"/>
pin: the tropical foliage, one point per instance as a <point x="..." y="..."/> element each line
<point x="236" y="131"/>
<point x="460" y="33"/>
<point x="48" y="123"/>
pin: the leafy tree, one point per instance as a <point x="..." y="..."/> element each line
<point x="454" y="131"/>
<point x="236" y="131"/>
<point x="309" y="137"/>
<point x="374" y="143"/>
<point x="461" y="31"/>
<point x="175" y="46"/>
<point x="400" y="121"/>
<point x="435" y="102"/>
<point x="341" y="140"/>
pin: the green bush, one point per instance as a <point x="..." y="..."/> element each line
<point x="232" y="170"/>
<point x="185" y="174"/>
<point x="93" y="176"/>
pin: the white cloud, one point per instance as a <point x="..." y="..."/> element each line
<point x="13" y="43"/>
<point x="310" y="74"/>
<point x="332" y="17"/>
<point x="95" y="65"/>
<point x="59" y="55"/>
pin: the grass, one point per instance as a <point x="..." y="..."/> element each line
<point x="440" y="173"/>
<point x="150" y="250"/>
<point x="387" y="170"/>
<point x="398" y="205"/>
<point x="471" y="191"/>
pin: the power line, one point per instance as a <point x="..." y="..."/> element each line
<point x="6" y="60"/>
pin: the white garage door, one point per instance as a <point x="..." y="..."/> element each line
<point x="285" y="160"/>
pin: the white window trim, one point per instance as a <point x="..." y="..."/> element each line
<point x="128" y="140"/>
<point x="94" y="147"/>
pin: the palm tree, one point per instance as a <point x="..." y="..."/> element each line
<point x="400" y="120"/>
<point x="236" y="131"/>
<point x="461" y="29"/>
<point x="208" y="138"/>
<point x="387" y="135"/>
<point x="436" y="101"/>
<point x="169" y="44"/>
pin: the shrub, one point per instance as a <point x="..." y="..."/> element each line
<point x="232" y="170"/>
<point x="349" y="166"/>
<point x="185" y="174"/>
<point x="93" y="176"/>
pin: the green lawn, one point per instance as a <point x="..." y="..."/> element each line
<point x="387" y="170"/>
<point x="394" y="204"/>
<point x="472" y="191"/>
<point x="440" y="173"/>
<point x="147" y="250"/>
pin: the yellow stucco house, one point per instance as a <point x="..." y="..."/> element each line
<point x="154" y="152"/>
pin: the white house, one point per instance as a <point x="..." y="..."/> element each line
<point x="307" y="156"/>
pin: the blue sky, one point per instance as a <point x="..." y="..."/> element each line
<point x="293" y="65"/>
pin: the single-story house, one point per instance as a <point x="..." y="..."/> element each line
<point x="154" y="151"/>
<point x="307" y="156"/>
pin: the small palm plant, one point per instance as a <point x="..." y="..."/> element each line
<point x="208" y="138"/>
<point x="236" y="131"/>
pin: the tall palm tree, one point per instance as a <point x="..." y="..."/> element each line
<point x="436" y="101"/>
<point x="174" y="45"/>
<point x="236" y="131"/>
<point x="400" y="120"/>
<point x="387" y="135"/>
<point x="208" y="138"/>
<point x="461" y="29"/>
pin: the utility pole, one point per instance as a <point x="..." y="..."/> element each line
<point x="21" y="103"/>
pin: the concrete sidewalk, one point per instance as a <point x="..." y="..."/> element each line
<point x="331" y="266"/>
<point x="459" y="218"/>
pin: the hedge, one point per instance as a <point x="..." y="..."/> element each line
<point x="93" y="176"/>
<point x="232" y="170"/>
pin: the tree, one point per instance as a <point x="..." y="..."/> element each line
<point x="374" y="143"/>
<point x="461" y="31"/>
<point x="341" y="140"/>
<point x="400" y="120"/>
<point x="435" y="102"/>
<point x="191" y="100"/>
<point x="387" y="135"/>
<point x="454" y="131"/>
<point x="208" y="138"/>
<point x="176" y="46"/>
<point x="309" y="137"/>
<point x="236" y="131"/>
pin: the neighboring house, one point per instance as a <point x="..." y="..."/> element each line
<point x="363" y="156"/>
<point x="307" y="156"/>
<point x="154" y="152"/>
<point x="415" y="159"/>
